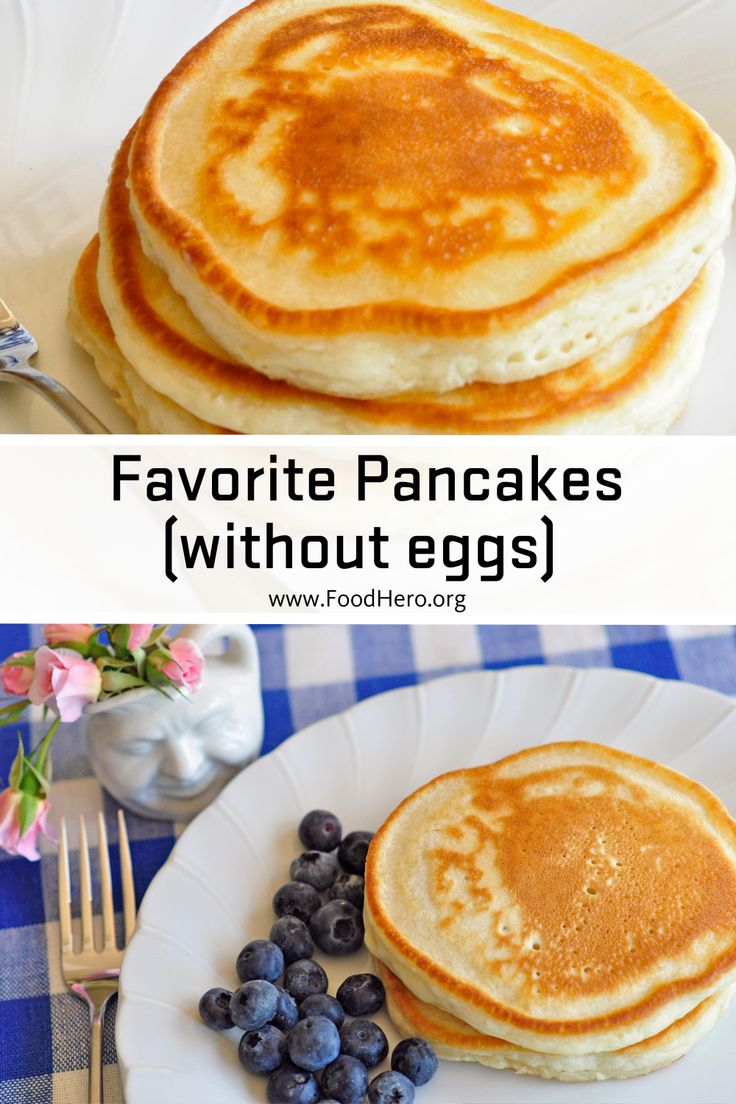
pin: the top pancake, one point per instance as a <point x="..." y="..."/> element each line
<point x="571" y="898"/>
<point x="365" y="198"/>
<point x="638" y="384"/>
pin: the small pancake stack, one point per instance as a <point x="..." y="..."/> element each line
<point x="568" y="912"/>
<point x="413" y="216"/>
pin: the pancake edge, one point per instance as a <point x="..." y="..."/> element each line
<point x="390" y="347"/>
<point x="413" y="1017"/>
<point x="435" y="984"/>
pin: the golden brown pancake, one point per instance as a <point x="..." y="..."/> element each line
<point x="369" y="198"/>
<point x="90" y="327"/>
<point x="454" y="1040"/>
<point x="639" y="385"/>
<point x="572" y="898"/>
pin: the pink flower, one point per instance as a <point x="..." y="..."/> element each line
<point x="10" y="837"/>
<point x="187" y="666"/>
<point x="67" y="634"/>
<point x="15" y="678"/>
<point x="66" y="677"/>
<point x="139" y="634"/>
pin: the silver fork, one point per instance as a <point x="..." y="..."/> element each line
<point x="91" y="974"/>
<point x="17" y="347"/>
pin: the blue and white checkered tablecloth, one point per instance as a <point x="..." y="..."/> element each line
<point x="308" y="673"/>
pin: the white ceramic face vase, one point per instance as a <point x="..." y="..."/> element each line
<point x="168" y="757"/>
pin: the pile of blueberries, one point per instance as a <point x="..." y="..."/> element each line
<point x="311" y="1046"/>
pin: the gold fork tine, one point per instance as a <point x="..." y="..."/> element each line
<point x="108" y="913"/>
<point x="65" y="904"/>
<point x="90" y="974"/>
<point x="7" y="318"/>
<point x="85" y="885"/>
<point x="126" y="875"/>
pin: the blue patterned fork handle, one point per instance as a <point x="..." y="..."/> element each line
<point x="17" y="347"/>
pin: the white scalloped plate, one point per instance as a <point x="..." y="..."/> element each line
<point x="76" y="75"/>
<point x="214" y="893"/>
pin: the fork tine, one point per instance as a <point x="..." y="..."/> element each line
<point x="126" y="875"/>
<point x="85" y="885"/>
<point x="7" y="319"/>
<point x="108" y="913"/>
<point x="65" y="904"/>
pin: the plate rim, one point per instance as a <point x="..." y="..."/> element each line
<point x="623" y="674"/>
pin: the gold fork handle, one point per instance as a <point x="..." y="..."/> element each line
<point x="97" y="1020"/>
<point x="95" y="992"/>
<point x="54" y="392"/>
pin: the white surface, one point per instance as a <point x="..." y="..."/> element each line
<point x="614" y="562"/>
<point x="76" y="75"/>
<point x="214" y="893"/>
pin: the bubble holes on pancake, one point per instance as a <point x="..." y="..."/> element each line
<point x="547" y="924"/>
<point x="380" y="136"/>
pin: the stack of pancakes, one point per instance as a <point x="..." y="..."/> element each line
<point x="412" y="216"/>
<point x="568" y="912"/>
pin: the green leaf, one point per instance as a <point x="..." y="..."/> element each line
<point x="156" y="634"/>
<point x="108" y="661"/>
<point x="158" y="680"/>
<point x="120" y="636"/>
<point x="41" y="782"/>
<point x="26" y="812"/>
<point x="9" y="714"/>
<point x="139" y="658"/>
<point x="16" y="771"/>
<point x="154" y="676"/>
<point x="30" y="783"/>
<point x="115" y="682"/>
<point x="73" y="646"/>
<point x="40" y="755"/>
<point x="23" y="659"/>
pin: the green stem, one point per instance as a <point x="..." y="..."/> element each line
<point x="39" y="755"/>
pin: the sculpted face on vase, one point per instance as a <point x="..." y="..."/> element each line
<point x="168" y="757"/>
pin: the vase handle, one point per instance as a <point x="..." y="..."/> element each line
<point x="242" y="650"/>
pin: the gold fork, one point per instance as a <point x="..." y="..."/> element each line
<point x="17" y="346"/>
<point x="91" y="973"/>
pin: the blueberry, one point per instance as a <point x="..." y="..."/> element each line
<point x="337" y="928"/>
<point x="353" y="851"/>
<point x="348" y="887"/>
<point x="361" y="994"/>
<point x="260" y="960"/>
<point x="214" y="1008"/>
<point x="415" y="1059"/>
<point x="296" y="899"/>
<point x="287" y="1012"/>
<point x="390" y="1088"/>
<point x="254" y="1004"/>
<point x="320" y="831"/>
<point x="346" y="1080"/>
<point x="319" y="1004"/>
<point x="313" y="1043"/>
<point x="364" y="1040"/>
<point x="292" y="936"/>
<point x="304" y="977"/>
<point x="290" y="1085"/>
<point x="315" y="868"/>
<point x="263" y="1050"/>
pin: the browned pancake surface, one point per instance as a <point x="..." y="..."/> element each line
<point x="442" y="157"/>
<point x="157" y="312"/>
